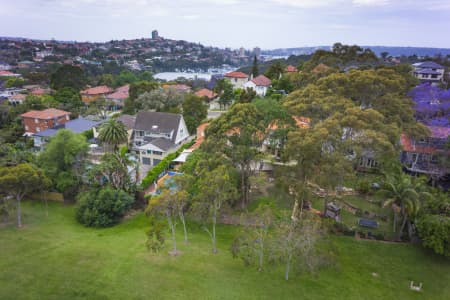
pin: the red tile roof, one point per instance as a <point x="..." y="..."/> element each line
<point x="177" y="87"/>
<point x="38" y="92"/>
<point x="46" y="114"/>
<point x="206" y="93"/>
<point x="291" y="68"/>
<point x="262" y="80"/>
<point x="8" y="73"/>
<point x="409" y="146"/>
<point x="236" y="75"/>
<point x="98" y="90"/>
<point x="200" y="136"/>
<point x="121" y="93"/>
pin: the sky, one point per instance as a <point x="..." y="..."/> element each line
<point x="234" y="23"/>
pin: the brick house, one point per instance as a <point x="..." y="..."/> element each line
<point x="36" y="121"/>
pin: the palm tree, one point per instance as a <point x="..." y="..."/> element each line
<point x="113" y="133"/>
<point x="404" y="195"/>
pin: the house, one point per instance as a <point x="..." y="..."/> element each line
<point x="237" y="79"/>
<point x="429" y="71"/>
<point x="157" y="134"/>
<point x="259" y="84"/>
<point x="128" y="121"/>
<point x="91" y="94"/>
<point x="119" y="95"/>
<point x="36" y="121"/>
<point x="17" y="99"/>
<point x="205" y="93"/>
<point x="79" y="125"/>
<point x="423" y="156"/>
<point x="6" y="73"/>
<point x="290" y="69"/>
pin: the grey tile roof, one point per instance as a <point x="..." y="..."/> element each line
<point x="79" y="125"/>
<point x="127" y="120"/>
<point x="430" y="65"/>
<point x="163" y="144"/>
<point x="157" y="122"/>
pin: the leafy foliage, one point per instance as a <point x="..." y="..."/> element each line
<point x="102" y="207"/>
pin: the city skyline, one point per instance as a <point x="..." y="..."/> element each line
<point x="234" y="23"/>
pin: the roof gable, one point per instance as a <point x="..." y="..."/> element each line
<point x="157" y="122"/>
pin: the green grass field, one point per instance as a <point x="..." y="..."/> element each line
<point x="56" y="258"/>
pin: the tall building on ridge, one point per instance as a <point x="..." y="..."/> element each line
<point x="155" y="35"/>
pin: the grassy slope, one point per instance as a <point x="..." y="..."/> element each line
<point x="55" y="258"/>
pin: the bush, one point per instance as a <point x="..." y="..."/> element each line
<point x="102" y="207"/>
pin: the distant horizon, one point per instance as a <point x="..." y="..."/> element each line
<point x="206" y="45"/>
<point x="268" y="24"/>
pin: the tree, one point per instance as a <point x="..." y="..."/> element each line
<point x="166" y="101"/>
<point x="253" y="243"/>
<point x="69" y="98"/>
<point x="113" y="133"/>
<point x="276" y="70"/>
<point x="68" y="76"/>
<point x="384" y="55"/>
<point x="62" y="161"/>
<point x="102" y="207"/>
<point x="298" y="244"/>
<point x="224" y="89"/>
<point x="194" y="111"/>
<point x="404" y="195"/>
<point x="114" y="170"/>
<point x="14" y="82"/>
<point x="216" y="188"/>
<point x="433" y="224"/>
<point x="255" y="71"/>
<point x="170" y="204"/>
<point x="132" y="105"/>
<point x="247" y="95"/>
<point x="20" y="181"/>
<point x="238" y="134"/>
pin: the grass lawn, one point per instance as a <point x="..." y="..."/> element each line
<point x="56" y="258"/>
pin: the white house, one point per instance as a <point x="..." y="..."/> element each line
<point x="237" y="79"/>
<point x="157" y="134"/>
<point x="429" y="71"/>
<point x="259" y="84"/>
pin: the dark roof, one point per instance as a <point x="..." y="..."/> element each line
<point x="157" y="122"/>
<point x="430" y="65"/>
<point x="427" y="71"/>
<point x="79" y="125"/>
<point x="127" y="120"/>
<point x="163" y="144"/>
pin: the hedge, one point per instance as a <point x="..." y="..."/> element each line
<point x="153" y="174"/>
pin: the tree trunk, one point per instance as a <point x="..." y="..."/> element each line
<point x="183" y="221"/>
<point x="213" y="236"/>
<point x="395" y="221"/>
<point x="19" y="212"/>
<point x="402" y="228"/>
<point x="172" y="228"/>
<point x="261" y="255"/>
<point x="288" y="266"/>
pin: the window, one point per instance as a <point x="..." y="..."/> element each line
<point x="149" y="151"/>
<point x="146" y="161"/>
<point x="67" y="117"/>
<point x="36" y="120"/>
<point x="157" y="153"/>
<point x="26" y="127"/>
<point x="156" y="161"/>
<point x="38" y="129"/>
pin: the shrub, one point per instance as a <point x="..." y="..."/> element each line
<point x="102" y="207"/>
